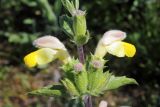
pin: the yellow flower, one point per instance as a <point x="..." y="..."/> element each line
<point x="112" y="43"/>
<point x="40" y="57"/>
<point x="50" y="48"/>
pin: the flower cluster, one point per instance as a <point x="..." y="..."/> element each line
<point x="50" y="48"/>
<point x="88" y="78"/>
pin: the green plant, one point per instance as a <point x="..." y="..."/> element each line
<point x="82" y="77"/>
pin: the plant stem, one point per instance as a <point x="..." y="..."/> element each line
<point x="81" y="54"/>
<point x="87" y="99"/>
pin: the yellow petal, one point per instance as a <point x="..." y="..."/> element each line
<point x="116" y="48"/>
<point x="40" y="57"/>
<point x="30" y="59"/>
<point x="130" y="49"/>
<point x="45" y="56"/>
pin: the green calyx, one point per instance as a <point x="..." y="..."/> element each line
<point x="79" y="23"/>
<point x="81" y="35"/>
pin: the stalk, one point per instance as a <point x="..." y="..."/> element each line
<point x="87" y="99"/>
<point x="81" y="54"/>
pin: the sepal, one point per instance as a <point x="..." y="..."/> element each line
<point x="66" y="25"/>
<point x="79" y="24"/>
<point x="81" y="35"/>
<point x="69" y="5"/>
<point x="76" y="4"/>
<point x="69" y="67"/>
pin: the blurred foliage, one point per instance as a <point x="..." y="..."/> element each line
<point x="22" y="21"/>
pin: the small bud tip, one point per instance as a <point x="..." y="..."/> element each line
<point x="78" y="67"/>
<point x="97" y="64"/>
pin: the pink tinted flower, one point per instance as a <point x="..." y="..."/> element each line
<point x="103" y="104"/>
<point x="97" y="64"/>
<point x="78" y="67"/>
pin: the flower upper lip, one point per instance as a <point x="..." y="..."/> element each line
<point x="49" y="42"/>
<point x="112" y="36"/>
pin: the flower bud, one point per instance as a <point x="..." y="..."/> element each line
<point x="79" y="24"/>
<point x="80" y="27"/>
<point x="103" y="104"/>
<point x="97" y="64"/>
<point x="78" y="67"/>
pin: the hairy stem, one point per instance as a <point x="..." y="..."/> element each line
<point x="87" y="99"/>
<point x="81" y="54"/>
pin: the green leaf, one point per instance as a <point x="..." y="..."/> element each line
<point x="57" y="7"/>
<point x="97" y="81"/>
<point x="68" y="5"/>
<point x="51" y="90"/>
<point x="47" y="11"/>
<point x="81" y="81"/>
<point x="21" y="37"/>
<point x="116" y="82"/>
<point x="66" y="25"/>
<point x="76" y="3"/>
<point x="28" y="21"/>
<point x="95" y="78"/>
<point x="104" y="80"/>
<point x="31" y="3"/>
<point x="70" y="87"/>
